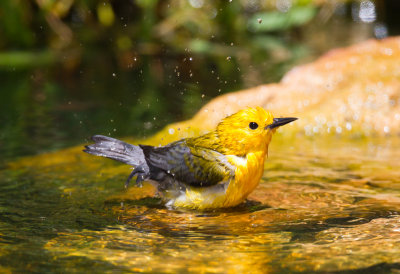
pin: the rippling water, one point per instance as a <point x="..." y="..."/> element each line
<point x="321" y="206"/>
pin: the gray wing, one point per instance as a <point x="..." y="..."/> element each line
<point x="116" y="149"/>
<point x="194" y="166"/>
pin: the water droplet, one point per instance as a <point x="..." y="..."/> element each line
<point x="366" y="12"/>
<point x="259" y="20"/>
<point x="171" y="131"/>
<point x="190" y="59"/>
<point x="380" y="30"/>
<point x="386" y="129"/>
<point x="114" y="74"/>
<point x="308" y="130"/>
<point x="196" y="3"/>
<point x="148" y="125"/>
<point x="202" y="96"/>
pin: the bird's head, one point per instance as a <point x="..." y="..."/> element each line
<point x="249" y="130"/>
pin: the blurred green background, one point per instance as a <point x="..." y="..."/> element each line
<point x="73" y="68"/>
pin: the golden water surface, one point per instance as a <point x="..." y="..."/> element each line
<point x="326" y="205"/>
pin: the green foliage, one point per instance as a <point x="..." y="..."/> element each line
<point x="278" y="21"/>
<point x="26" y="59"/>
<point x="15" y="26"/>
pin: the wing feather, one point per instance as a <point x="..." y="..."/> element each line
<point x="194" y="166"/>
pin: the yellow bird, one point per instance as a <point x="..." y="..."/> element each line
<point x="216" y="170"/>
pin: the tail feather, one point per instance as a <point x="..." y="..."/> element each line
<point x="117" y="150"/>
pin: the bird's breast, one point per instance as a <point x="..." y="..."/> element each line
<point x="248" y="173"/>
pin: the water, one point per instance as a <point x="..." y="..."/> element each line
<point x="316" y="209"/>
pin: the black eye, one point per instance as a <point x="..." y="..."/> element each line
<point x="253" y="125"/>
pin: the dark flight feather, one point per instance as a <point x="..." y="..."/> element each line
<point x="116" y="150"/>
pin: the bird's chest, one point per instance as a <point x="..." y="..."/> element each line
<point x="248" y="173"/>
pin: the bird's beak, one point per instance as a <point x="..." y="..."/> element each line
<point x="280" y="122"/>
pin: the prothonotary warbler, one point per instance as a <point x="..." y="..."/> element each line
<point x="216" y="170"/>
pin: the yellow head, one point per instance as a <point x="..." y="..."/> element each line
<point x="249" y="130"/>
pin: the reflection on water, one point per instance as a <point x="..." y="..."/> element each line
<point x="316" y="209"/>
